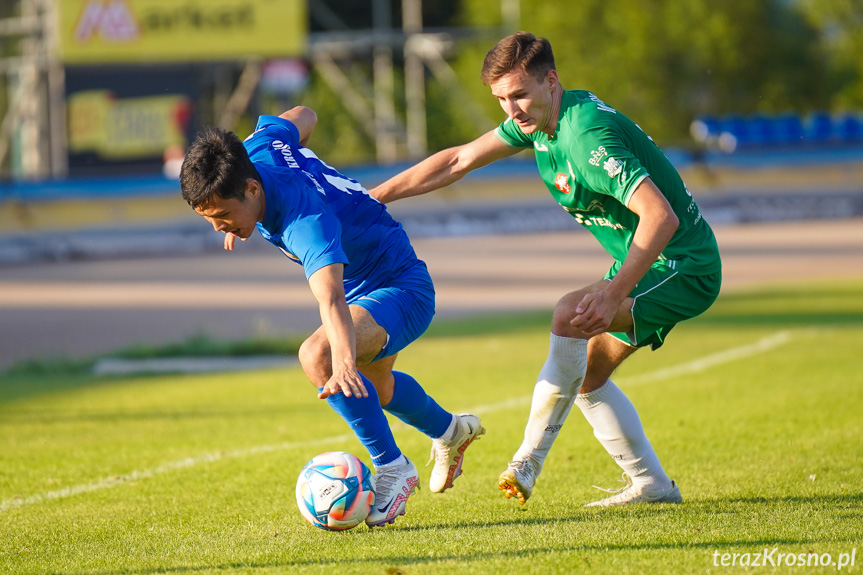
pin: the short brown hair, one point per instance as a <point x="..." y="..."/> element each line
<point x="522" y="51"/>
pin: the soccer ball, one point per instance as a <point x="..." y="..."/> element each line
<point x="335" y="491"/>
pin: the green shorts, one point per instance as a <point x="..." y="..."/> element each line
<point x="663" y="298"/>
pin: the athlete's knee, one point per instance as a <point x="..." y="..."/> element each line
<point x="315" y="359"/>
<point x="564" y="312"/>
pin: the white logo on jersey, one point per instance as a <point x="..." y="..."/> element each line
<point x="597" y="155"/>
<point x="613" y="167"/>
<point x="600" y="105"/>
<point x="285" y="149"/>
<point x="540" y="147"/>
<point x="588" y="221"/>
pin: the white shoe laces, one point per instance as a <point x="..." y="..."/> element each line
<point x="438" y="455"/>
<point x="440" y="448"/>
<point x="384" y="483"/>
<point x="624" y="478"/>
<point x="386" y="480"/>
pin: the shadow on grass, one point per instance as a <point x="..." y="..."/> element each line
<point x="704" y="507"/>
<point x="393" y="563"/>
<point x="712" y="506"/>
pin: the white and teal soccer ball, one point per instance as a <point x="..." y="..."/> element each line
<point x="335" y="491"/>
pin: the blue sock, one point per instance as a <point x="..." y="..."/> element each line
<point x="411" y="404"/>
<point x="366" y="418"/>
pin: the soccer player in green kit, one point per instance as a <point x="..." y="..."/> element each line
<point x="611" y="177"/>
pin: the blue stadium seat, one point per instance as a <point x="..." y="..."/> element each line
<point x="849" y="128"/>
<point x="736" y="131"/>
<point x="789" y="129"/>
<point x="762" y="130"/>
<point x="738" y="127"/>
<point x="819" y="127"/>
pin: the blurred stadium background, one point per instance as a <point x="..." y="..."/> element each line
<point x="758" y="103"/>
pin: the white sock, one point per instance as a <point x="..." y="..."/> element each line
<point x="558" y="384"/>
<point x="618" y="428"/>
<point x="400" y="460"/>
<point x="450" y="431"/>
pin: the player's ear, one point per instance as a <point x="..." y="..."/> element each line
<point x="253" y="188"/>
<point x="551" y="78"/>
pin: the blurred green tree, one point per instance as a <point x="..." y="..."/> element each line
<point x="663" y="62"/>
<point x="840" y="26"/>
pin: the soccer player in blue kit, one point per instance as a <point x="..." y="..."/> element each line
<point x="375" y="296"/>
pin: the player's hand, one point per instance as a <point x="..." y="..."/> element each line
<point x="229" y="241"/>
<point x="348" y="382"/>
<point x="593" y="315"/>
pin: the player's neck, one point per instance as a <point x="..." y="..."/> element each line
<point x="263" y="201"/>
<point x="554" y="113"/>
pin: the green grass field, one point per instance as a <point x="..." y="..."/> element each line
<point x="755" y="408"/>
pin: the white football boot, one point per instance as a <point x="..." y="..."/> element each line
<point x="630" y="494"/>
<point x="448" y="456"/>
<point x="393" y="485"/>
<point x="518" y="479"/>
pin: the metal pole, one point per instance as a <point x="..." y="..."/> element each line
<point x="28" y="122"/>
<point x="59" y="164"/>
<point x="385" y="112"/>
<point x="414" y="80"/>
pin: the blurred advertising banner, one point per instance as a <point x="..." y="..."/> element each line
<point x="130" y="31"/>
<point x="123" y="119"/>
<point x="123" y="128"/>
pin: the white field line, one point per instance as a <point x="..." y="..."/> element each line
<point x="697" y="365"/>
<point x="727" y="356"/>
<point x="161" y="469"/>
<point x="761" y="346"/>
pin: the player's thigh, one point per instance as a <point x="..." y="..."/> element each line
<point x="371" y="337"/>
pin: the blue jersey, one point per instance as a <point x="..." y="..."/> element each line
<point x="319" y="217"/>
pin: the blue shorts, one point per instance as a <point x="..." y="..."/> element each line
<point x="404" y="307"/>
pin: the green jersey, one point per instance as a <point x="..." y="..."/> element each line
<point x="592" y="165"/>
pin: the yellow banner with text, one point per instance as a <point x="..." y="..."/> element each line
<point x="136" y="31"/>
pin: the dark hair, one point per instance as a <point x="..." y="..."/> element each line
<point x="522" y="51"/>
<point x="216" y="164"/>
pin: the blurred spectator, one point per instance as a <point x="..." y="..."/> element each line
<point x="173" y="161"/>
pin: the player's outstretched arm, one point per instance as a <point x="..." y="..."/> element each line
<point x="328" y="288"/>
<point x="304" y="119"/>
<point x="443" y="168"/>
